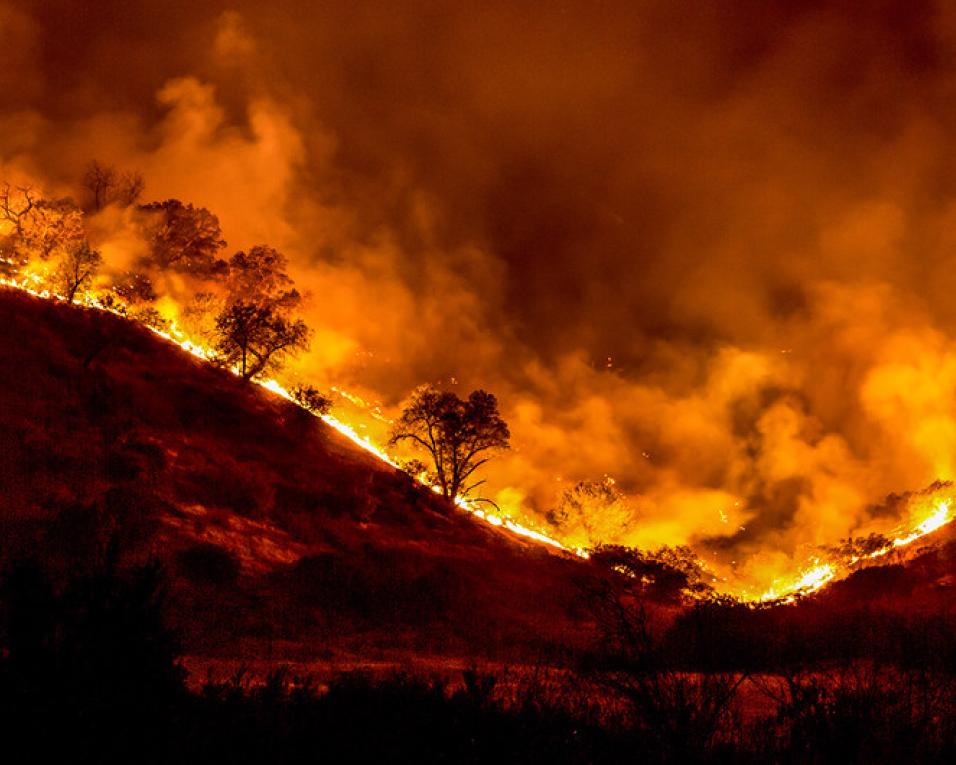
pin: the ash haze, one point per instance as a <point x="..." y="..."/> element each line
<point x="705" y="249"/>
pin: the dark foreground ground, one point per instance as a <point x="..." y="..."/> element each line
<point x="89" y="672"/>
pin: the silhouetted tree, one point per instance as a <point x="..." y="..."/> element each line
<point x="105" y="185"/>
<point x="99" y="180"/>
<point x="258" y="327"/>
<point x="255" y="338"/>
<point x="135" y="288"/>
<point x="183" y="238"/>
<point x="458" y="434"/>
<point x="16" y="203"/>
<point x="130" y="188"/>
<point x="76" y="270"/>
<point x="666" y="574"/>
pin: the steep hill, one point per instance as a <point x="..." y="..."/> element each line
<point x="282" y="539"/>
<point x="284" y="542"/>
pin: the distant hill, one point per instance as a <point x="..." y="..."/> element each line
<point x="283" y="540"/>
<point x="918" y="579"/>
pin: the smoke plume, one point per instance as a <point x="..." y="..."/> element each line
<point x="706" y="250"/>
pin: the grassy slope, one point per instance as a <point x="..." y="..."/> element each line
<point x="281" y="536"/>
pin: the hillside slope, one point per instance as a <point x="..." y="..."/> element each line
<point x="282" y="539"/>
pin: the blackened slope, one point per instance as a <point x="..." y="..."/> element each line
<point x="275" y="526"/>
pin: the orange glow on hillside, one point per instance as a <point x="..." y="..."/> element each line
<point x="928" y="514"/>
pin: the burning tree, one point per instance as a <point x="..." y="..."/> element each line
<point x="134" y="288"/>
<point x="76" y="270"/>
<point x="198" y="317"/>
<point x="258" y="327"/>
<point x="184" y="238"/>
<point x="592" y="511"/>
<point x="458" y="434"/>
<point x="16" y="203"/>
<point x="40" y="228"/>
<point x="53" y="225"/>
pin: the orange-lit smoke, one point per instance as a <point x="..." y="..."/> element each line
<point x="707" y="252"/>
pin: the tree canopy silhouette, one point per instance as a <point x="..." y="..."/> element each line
<point x="76" y="270"/>
<point x="183" y="238"/>
<point x="105" y="185"/>
<point x="457" y="433"/>
<point x="257" y="327"/>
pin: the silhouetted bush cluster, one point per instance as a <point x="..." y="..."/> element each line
<point x="89" y="672"/>
<point x="88" y="668"/>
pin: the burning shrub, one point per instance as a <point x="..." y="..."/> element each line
<point x="591" y="511"/>
<point x="309" y="397"/>
<point x="151" y="317"/>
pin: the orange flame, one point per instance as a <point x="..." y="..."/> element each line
<point x="816" y="575"/>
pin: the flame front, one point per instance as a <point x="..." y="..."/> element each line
<point x="927" y="515"/>
<point x="30" y="284"/>
<point x="940" y="514"/>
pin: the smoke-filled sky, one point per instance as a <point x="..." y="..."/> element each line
<point x="705" y="248"/>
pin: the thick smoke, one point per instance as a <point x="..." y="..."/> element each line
<point x="706" y="250"/>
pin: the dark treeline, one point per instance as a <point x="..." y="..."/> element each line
<point x="90" y="672"/>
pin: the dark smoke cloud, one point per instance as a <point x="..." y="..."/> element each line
<point x="749" y="208"/>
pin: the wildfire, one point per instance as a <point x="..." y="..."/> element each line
<point x="815" y="577"/>
<point x="937" y="520"/>
<point x="174" y="335"/>
<point x="928" y="516"/>
<point x="807" y="582"/>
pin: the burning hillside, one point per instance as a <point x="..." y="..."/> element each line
<point x="755" y="347"/>
<point x="108" y="432"/>
<point x="615" y="339"/>
<point x="927" y="511"/>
